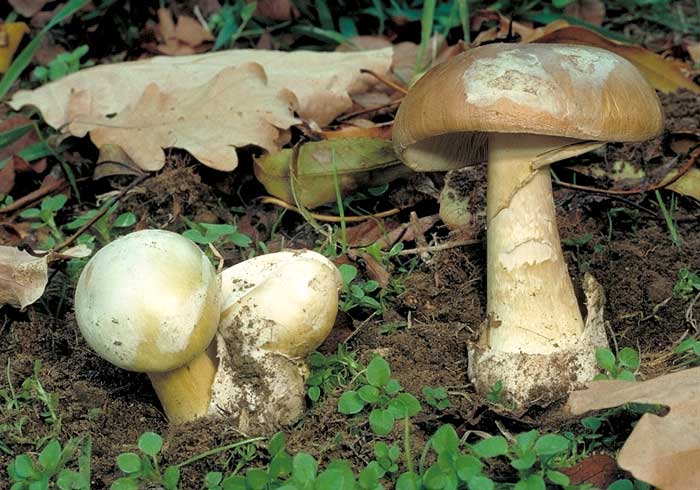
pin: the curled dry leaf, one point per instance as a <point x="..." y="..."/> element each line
<point x="187" y="36"/>
<point x="662" y="451"/>
<point x="359" y="163"/>
<point x="322" y="82"/>
<point x="592" y="11"/>
<point x="23" y="277"/>
<point x="11" y="34"/>
<point x="236" y="108"/>
<point x="27" y="8"/>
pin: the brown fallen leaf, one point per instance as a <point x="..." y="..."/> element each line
<point x="235" y="109"/>
<point x="526" y="32"/>
<point x="276" y="9"/>
<point x="13" y="163"/>
<point x="661" y="73"/>
<point x="592" y="11"/>
<point x="11" y="34"/>
<point x="27" y="8"/>
<point x="599" y="470"/>
<point x="184" y="37"/>
<point x="23" y="277"/>
<point x="663" y="451"/>
<point x="322" y="82"/>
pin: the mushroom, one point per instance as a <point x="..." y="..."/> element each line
<point x="524" y="107"/>
<point x="277" y="309"/>
<point x="231" y="345"/>
<point x="150" y="302"/>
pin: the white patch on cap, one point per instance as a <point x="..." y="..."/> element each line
<point x="587" y="65"/>
<point x="519" y="76"/>
<point x="514" y="75"/>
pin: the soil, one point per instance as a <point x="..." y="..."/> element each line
<point x="442" y="306"/>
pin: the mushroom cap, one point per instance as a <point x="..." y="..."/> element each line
<point x="571" y="91"/>
<point x="149" y="301"/>
<point x="284" y="302"/>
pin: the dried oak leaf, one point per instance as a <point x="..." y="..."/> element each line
<point x="23" y="277"/>
<point x="27" y="8"/>
<point x="235" y="109"/>
<point x="663" y="451"/>
<point x="322" y="82"/>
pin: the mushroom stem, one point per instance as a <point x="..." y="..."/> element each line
<point x="185" y="392"/>
<point x="532" y="307"/>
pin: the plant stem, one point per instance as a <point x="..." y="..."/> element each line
<point x="407" y="444"/>
<point x="341" y="207"/>
<point x="675" y="237"/>
<point x="426" y="31"/>
<point x="218" y="450"/>
<point x="464" y="17"/>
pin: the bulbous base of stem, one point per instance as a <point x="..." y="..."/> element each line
<point x="529" y="378"/>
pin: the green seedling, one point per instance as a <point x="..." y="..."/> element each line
<point x="62" y="65"/>
<point x="436" y="397"/>
<point x="32" y="396"/>
<point x="621" y="367"/>
<point x="49" y="470"/>
<point x="230" y="22"/>
<point x="387" y="457"/>
<point x="625" y="484"/>
<point x="44" y="216"/>
<point x="384" y="394"/>
<point x="688" y="283"/>
<point x="143" y="469"/>
<point x="689" y="351"/>
<point x="216" y="234"/>
<point x="495" y="394"/>
<point x="357" y="294"/>
<point x="103" y="226"/>
<point x="330" y="372"/>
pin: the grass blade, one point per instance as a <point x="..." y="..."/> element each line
<point x="25" y="57"/>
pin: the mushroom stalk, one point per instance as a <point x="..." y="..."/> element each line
<point x="185" y="392"/>
<point x="532" y="307"/>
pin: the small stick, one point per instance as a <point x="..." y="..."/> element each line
<point x="385" y="81"/>
<point x="692" y="159"/>
<point x="438" y="248"/>
<point x="327" y="218"/>
<point x="369" y="109"/>
<point x="100" y="214"/>
<point x="34" y="196"/>
<point x="419" y="237"/>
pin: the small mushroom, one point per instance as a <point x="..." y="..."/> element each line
<point x="278" y="308"/>
<point x="150" y="302"/>
<point x="524" y="107"/>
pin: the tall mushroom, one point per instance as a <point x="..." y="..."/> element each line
<point x="150" y="302"/>
<point x="524" y="107"/>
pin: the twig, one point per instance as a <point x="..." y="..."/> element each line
<point x="369" y="109"/>
<point x="34" y="196"/>
<point x="385" y="81"/>
<point x="438" y="248"/>
<point x="692" y="159"/>
<point x="359" y="327"/>
<point x="419" y="237"/>
<point x="689" y="313"/>
<point x="101" y="213"/>
<point x="325" y="217"/>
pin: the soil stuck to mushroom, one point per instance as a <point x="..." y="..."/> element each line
<point x="629" y="252"/>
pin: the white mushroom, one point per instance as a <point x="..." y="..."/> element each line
<point x="150" y="302"/>
<point x="278" y="308"/>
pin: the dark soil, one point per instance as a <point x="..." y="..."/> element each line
<point x="443" y="305"/>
